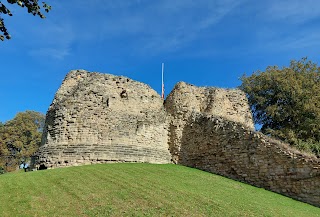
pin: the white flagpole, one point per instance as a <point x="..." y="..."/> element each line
<point x="162" y="87"/>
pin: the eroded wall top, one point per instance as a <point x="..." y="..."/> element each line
<point x="230" y="104"/>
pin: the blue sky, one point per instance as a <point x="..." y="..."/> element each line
<point x="203" y="42"/>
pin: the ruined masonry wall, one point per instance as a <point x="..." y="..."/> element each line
<point x="96" y="118"/>
<point x="100" y="118"/>
<point x="227" y="148"/>
<point x="212" y="129"/>
<point x="186" y="99"/>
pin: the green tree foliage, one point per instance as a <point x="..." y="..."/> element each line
<point x="286" y="102"/>
<point x="20" y="138"/>
<point x="32" y="7"/>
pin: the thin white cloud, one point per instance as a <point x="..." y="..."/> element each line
<point x="163" y="25"/>
<point x="286" y="26"/>
<point x="99" y="5"/>
<point x="51" y="37"/>
<point x="146" y="26"/>
<point x="293" y="11"/>
<point x="49" y="52"/>
<point x="53" y="41"/>
<point x="308" y="42"/>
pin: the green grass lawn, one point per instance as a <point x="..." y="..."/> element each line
<point x="138" y="190"/>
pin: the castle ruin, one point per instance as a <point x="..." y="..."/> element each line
<point x="99" y="118"/>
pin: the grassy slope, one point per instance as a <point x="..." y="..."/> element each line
<point x="138" y="190"/>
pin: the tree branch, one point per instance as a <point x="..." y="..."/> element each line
<point x="32" y="7"/>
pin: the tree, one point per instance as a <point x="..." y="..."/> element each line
<point x="20" y="138"/>
<point x="286" y="102"/>
<point x="31" y="5"/>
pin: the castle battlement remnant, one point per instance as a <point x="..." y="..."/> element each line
<point x="99" y="118"/>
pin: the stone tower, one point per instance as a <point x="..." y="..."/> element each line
<point x="100" y="118"/>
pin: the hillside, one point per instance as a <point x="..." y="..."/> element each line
<point x="138" y="190"/>
<point x="99" y="118"/>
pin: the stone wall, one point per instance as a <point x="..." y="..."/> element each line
<point x="99" y="118"/>
<point x="223" y="147"/>
<point x="186" y="99"/>
<point x="212" y="129"/>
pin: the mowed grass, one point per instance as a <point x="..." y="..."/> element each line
<point x="138" y="190"/>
